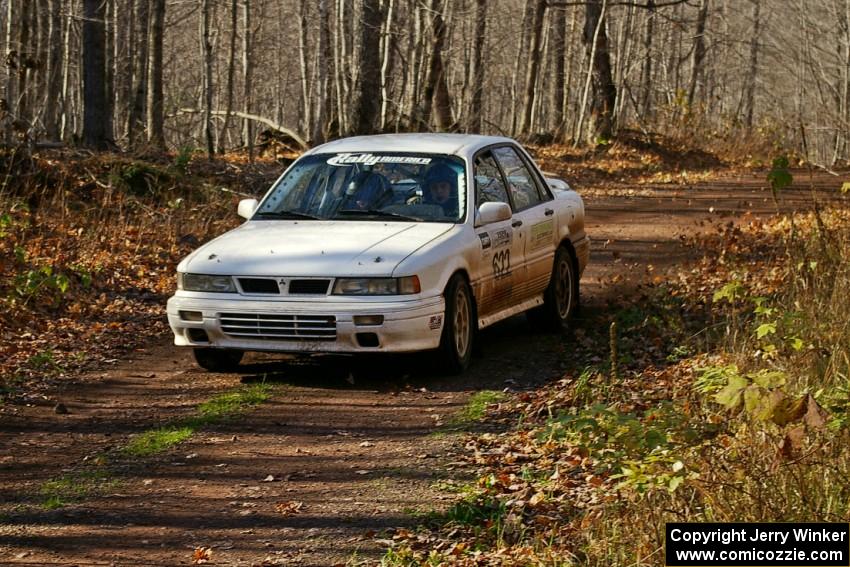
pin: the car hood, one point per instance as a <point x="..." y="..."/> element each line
<point x="312" y="248"/>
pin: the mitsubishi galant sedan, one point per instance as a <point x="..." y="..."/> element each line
<point x="391" y="243"/>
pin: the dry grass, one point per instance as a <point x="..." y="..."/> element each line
<point x="757" y="470"/>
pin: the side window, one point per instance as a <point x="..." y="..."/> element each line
<point x="489" y="187"/>
<point x="520" y="181"/>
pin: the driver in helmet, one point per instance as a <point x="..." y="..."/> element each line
<point x="441" y="188"/>
<point x="368" y="190"/>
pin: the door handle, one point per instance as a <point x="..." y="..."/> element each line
<point x="549" y="212"/>
<point x="516" y="223"/>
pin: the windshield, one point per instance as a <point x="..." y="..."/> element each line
<point x="366" y="186"/>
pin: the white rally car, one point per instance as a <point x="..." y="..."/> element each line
<point x="391" y="243"/>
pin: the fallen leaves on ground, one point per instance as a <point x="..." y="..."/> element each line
<point x="202" y="555"/>
<point x="88" y="257"/>
<point x="289" y="508"/>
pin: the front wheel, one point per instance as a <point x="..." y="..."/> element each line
<point x="560" y="300"/>
<point x="218" y="360"/>
<point x="458" y="328"/>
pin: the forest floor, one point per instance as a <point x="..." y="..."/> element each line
<point x="317" y="463"/>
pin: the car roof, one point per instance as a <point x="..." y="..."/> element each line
<point x="452" y="144"/>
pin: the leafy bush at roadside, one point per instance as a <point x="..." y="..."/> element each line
<point x="745" y="419"/>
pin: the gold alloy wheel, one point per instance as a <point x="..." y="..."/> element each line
<point x="462" y="325"/>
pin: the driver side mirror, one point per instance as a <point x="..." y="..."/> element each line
<point x="247" y="208"/>
<point x="492" y="212"/>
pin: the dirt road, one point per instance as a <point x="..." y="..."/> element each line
<point x="314" y="475"/>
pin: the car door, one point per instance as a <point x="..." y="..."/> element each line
<point x="501" y="249"/>
<point x="533" y="221"/>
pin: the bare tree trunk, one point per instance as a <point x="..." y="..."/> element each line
<point x="11" y="66"/>
<point x="42" y="14"/>
<point x="604" y="91"/>
<point x="449" y="72"/>
<point x="698" y="52"/>
<point x="569" y="120"/>
<point x="386" y="62"/>
<point x="77" y="94"/>
<point x="414" y="63"/>
<point x="125" y="48"/>
<point x="109" y="27"/>
<point x="754" y="60"/>
<point x="801" y="82"/>
<point x="540" y="110"/>
<point x="442" y="100"/>
<point x="66" y="78"/>
<point x="207" y="55"/>
<point x="646" y="73"/>
<point x="24" y="59"/>
<point x="676" y="61"/>
<point x="321" y="86"/>
<point x="338" y="68"/>
<point x="247" y="77"/>
<point x="140" y="72"/>
<point x="54" y="67"/>
<point x="155" y="102"/>
<point x="623" y="62"/>
<point x="95" y="105"/>
<point x="352" y="37"/>
<point x="533" y="67"/>
<point x="367" y="92"/>
<point x="477" y="64"/>
<point x="461" y="101"/>
<point x="280" y="63"/>
<point x="342" y="68"/>
<point x="844" y="100"/>
<point x="522" y="56"/>
<point x="231" y="71"/>
<point x="559" y="80"/>
<point x="306" y="119"/>
<point x="436" y="96"/>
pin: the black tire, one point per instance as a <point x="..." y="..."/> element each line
<point x="455" y="351"/>
<point x="218" y="360"/>
<point x="560" y="301"/>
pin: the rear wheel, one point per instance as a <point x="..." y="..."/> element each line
<point x="458" y="327"/>
<point x="560" y="300"/>
<point x="218" y="360"/>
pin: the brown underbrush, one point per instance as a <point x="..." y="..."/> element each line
<point x="88" y="248"/>
<point x="723" y="395"/>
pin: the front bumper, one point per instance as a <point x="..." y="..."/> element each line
<point x="407" y="326"/>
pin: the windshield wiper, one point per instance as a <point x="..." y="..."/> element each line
<point x="286" y="215"/>
<point x="377" y="213"/>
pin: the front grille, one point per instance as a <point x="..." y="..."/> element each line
<point x="259" y="285"/>
<point x="279" y="327"/>
<point x="315" y="287"/>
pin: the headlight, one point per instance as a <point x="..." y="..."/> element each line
<point x="200" y="282"/>
<point x="377" y="286"/>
